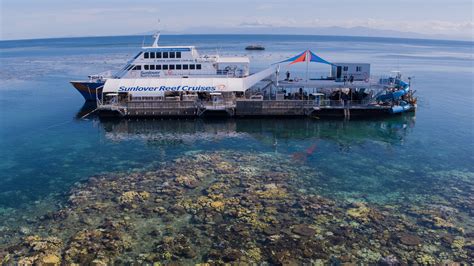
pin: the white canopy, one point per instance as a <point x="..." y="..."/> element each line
<point x="157" y="86"/>
<point x="234" y="59"/>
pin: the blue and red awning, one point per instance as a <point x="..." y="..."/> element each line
<point x="306" y="56"/>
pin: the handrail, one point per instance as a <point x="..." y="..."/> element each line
<point x="164" y="104"/>
<point x="160" y="104"/>
<point x="345" y="103"/>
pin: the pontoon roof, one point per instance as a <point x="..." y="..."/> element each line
<point x="233" y="59"/>
<point x="168" y="47"/>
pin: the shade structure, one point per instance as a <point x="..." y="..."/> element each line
<point x="317" y="59"/>
<point x="300" y="58"/>
<point x="306" y="56"/>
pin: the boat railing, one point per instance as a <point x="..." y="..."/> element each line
<point x="239" y="73"/>
<point x="151" y="104"/>
<point x="343" y="103"/>
<point x="275" y="104"/>
<point x="147" y="103"/>
<point x="147" y="98"/>
<point x="289" y="104"/>
<point x="216" y="105"/>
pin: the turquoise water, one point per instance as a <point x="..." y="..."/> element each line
<point x="402" y="161"/>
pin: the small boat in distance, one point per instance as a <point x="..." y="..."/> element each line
<point x="255" y="47"/>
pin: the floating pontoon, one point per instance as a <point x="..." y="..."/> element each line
<point x="177" y="81"/>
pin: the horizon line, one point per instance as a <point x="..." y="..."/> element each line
<point x="244" y="34"/>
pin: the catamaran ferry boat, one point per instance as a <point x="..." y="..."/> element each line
<point x="167" y="62"/>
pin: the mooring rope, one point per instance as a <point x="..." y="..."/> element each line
<point x="89" y="113"/>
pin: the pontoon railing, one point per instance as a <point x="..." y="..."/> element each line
<point x="216" y="105"/>
<point x="343" y="103"/>
<point x="160" y="104"/>
<point x="141" y="103"/>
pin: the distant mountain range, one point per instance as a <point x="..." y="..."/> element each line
<point x="332" y="31"/>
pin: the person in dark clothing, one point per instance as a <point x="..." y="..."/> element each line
<point x="344" y="98"/>
<point x="351" y="79"/>
<point x="288" y="75"/>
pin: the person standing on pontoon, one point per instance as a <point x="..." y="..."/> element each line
<point x="288" y="75"/>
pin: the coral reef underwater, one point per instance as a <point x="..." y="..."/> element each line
<point x="220" y="207"/>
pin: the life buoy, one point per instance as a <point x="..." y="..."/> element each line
<point x="366" y="80"/>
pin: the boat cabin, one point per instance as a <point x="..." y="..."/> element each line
<point x="181" y="62"/>
<point x="350" y="71"/>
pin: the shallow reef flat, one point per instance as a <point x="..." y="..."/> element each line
<point x="239" y="207"/>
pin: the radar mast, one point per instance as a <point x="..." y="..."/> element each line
<point x="156" y="36"/>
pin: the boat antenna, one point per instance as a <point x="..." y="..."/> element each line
<point x="156" y="36"/>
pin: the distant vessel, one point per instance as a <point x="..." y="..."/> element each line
<point x="255" y="47"/>
<point x="158" y="62"/>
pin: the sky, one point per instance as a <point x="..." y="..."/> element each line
<point x="29" y="19"/>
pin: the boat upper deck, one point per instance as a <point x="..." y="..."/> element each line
<point x="181" y="61"/>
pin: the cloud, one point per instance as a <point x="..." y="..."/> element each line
<point x="449" y="28"/>
<point x="92" y="21"/>
<point x="449" y="25"/>
<point x="265" y="7"/>
<point x="255" y="24"/>
<point x="72" y="19"/>
<point x="269" y="22"/>
<point x="115" y="10"/>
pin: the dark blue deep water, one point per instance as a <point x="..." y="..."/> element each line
<point x="45" y="148"/>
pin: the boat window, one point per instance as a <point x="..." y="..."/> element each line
<point x="185" y="67"/>
<point x="145" y="67"/>
<point x="165" y="54"/>
<point x="358" y="69"/>
<point x="171" y="67"/>
<point x="158" y="67"/>
<point x="152" y="67"/>
<point x="158" y="54"/>
<point x="192" y="66"/>
<point x="198" y="66"/>
<point x="178" y="54"/>
<point x="165" y="67"/>
<point x="152" y="54"/>
<point x="146" y="55"/>
<point x="178" y="67"/>
<point x="172" y="55"/>
<point x="346" y="68"/>
<point x="137" y="68"/>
